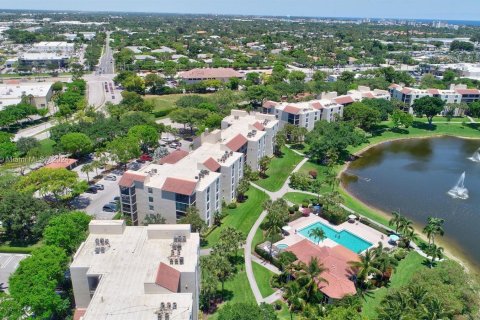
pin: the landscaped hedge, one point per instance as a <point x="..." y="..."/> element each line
<point x="265" y="255"/>
<point x="163" y="113"/>
<point x="24" y="250"/>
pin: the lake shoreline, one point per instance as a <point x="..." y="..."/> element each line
<point x="452" y="251"/>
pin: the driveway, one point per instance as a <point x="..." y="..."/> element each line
<point x="8" y="264"/>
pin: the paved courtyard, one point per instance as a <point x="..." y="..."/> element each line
<point x="359" y="229"/>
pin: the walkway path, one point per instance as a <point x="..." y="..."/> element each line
<point x="471" y="119"/>
<point x="248" y="247"/>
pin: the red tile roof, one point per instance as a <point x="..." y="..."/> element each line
<point x="211" y="164"/>
<point x="336" y="260"/>
<point x="208" y="73"/>
<point x="237" y="142"/>
<point x="180" y="186"/>
<point x="269" y="104"/>
<point x="393" y="85"/>
<point x="174" y="157"/>
<point x="317" y="105"/>
<point x="291" y="109"/>
<point x="368" y="95"/>
<point x="344" y="100"/>
<point x="433" y="91"/>
<point x="467" y="91"/>
<point x="406" y="91"/>
<point x="129" y="177"/>
<point x="79" y="313"/>
<point x="61" y="163"/>
<point x="168" y="277"/>
<point x="259" y="126"/>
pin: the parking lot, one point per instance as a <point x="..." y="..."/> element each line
<point x="8" y="264"/>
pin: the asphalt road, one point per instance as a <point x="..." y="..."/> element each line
<point x="8" y="264"/>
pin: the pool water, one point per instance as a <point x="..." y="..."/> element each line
<point x="282" y="246"/>
<point x="344" y="237"/>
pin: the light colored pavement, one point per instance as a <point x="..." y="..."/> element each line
<point x="8" y="264"/>
<point x="248" y="247"/>
<point x="266" y="264"/>
<point x="40" y="131"/>
<point x="277" y="295"/>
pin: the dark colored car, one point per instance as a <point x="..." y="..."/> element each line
<point x="110" y="207"/>
<point x="99" y="186"/>
<point x="145" y="157"/>
<point x="91" y="190"/>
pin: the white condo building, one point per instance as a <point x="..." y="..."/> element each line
<point x="202" y="178"/>
<point x="141" y="273"/>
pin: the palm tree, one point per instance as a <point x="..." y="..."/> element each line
<point x="405" y="225"/>
<point x="434" y="226"/>
<point x="273" y="227"/>
<point x="395" y="220"/>
<point x="385" y="263"/>
<point x="365" y="267"/>
<point x="435" y="310"/>
<point x="434" y="252"/>
<point x="294" y="296"/>
<point x="309" y="277"/>
<point x="409" y="236"/>
<point x="86" y="169"/>
<point x="318" y="234"/>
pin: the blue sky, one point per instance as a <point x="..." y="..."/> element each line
<point x="417" y="9"/>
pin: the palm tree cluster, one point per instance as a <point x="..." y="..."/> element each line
<point x="404" y="227"/>
<point x="413" y="303"/>
<point x="374" y="267"/>
<point x="275" y="220"/>
<point x="303" y="292"/>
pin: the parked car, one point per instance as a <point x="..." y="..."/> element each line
<point x="134" y="166"/>
<point x="146" y="157"/>
<point x="91" y="189"/>
<point x="117" y="198"/>
<point x="110" y="207"/>
<point x="111" y="177"/>
<point x="99" y="186"/>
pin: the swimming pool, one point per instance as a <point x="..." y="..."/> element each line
<point x="344" y="237"/>
<point x="282" y="246"/>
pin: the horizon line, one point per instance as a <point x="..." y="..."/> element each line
<point x="235" y="15"/>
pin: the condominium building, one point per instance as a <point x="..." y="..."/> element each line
<point x="409" y="95"/>
<point x="202" y="178"/>
<point x="329" y="107"/>
<point x="143" y="273"/>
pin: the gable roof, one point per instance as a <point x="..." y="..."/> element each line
<point x="259" y="126"/>
<point x="129" y="177"/>
<point x="237" y="142"/>
<point x="344" y="100"/>
<point x="211" y="164"/>
<point x="61" y="163"/>
<point x="291" y="109"/>
<point x="269" y="104"/>
<point x="335" y="260"/>
<point x="174" y="157"/>
<point x="467" y="91"/>
<point x="168" y="277"/>
<point x="180" y="186"/>
<point x="317" y="105"/>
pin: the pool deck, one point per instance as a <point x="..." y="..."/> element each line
<point x="359" y="229"/>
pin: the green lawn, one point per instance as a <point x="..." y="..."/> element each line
<point x="404" y="272"/>
<point x="237" y="289"/>
<point x="263" y="277"/>
<point x="257" y="238"/>
<point x="297" y="197"/>
<point x="46" y="146"/>
<point x="241" y="218"/>
<point x="166" y="102"/>
<point x="279" y="170"/>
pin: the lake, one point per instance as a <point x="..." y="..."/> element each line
<point x="413" y="176"/>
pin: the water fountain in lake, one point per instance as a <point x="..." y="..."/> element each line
<point x="476" y="156"/>
<point x="459" y="191"/>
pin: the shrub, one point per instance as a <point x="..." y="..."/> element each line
<point x="291" y="210"/>
<point x="277" y="305"/>
<point x="400" y="254"/>
<point x="305" y="204"/>
<point x="296" y="207"/>
<point x="232" y="205"/>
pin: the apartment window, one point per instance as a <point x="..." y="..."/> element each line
<point x="150" y="190"/>
<point x="150" y="199"/>
<point x="150" y="207"/>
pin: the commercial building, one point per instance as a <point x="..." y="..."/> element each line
<point x="38" y="94"/>
<point x="144" y="273"/>
<point x="198" y="75"/>
<point x="202" y="178"/>
<point x="43" y="60"/>
<point x="54" y="46"/>
<point x="328" y="107"/>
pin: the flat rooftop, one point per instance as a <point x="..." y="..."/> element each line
<point x="131" y="260"/>
<point x="11" y="91"/>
